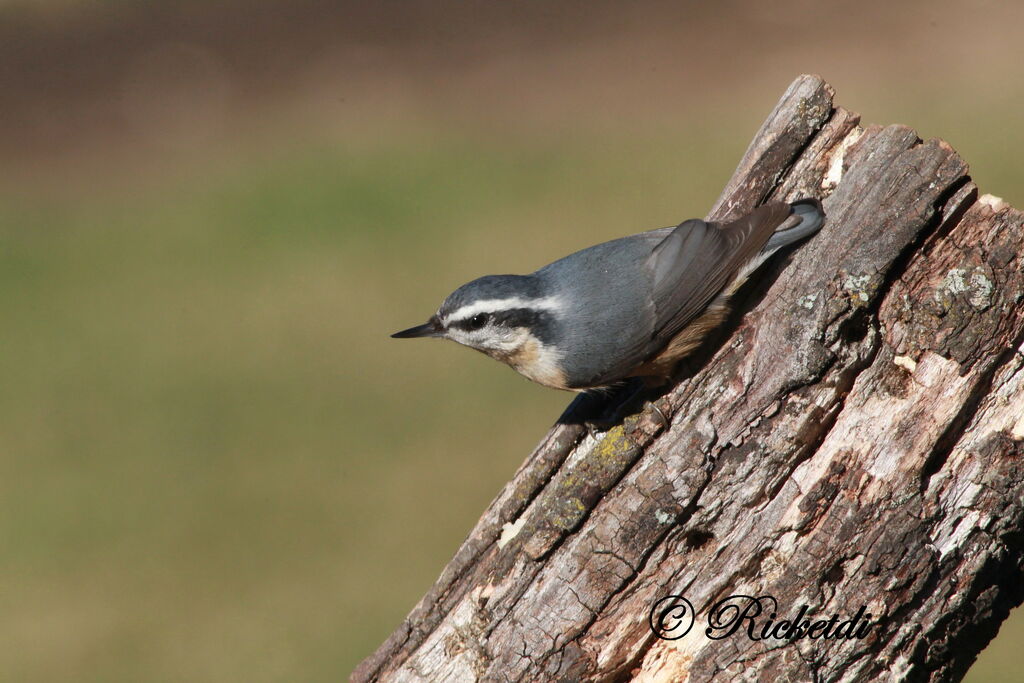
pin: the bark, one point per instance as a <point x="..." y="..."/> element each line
<point x="853" y="437"/>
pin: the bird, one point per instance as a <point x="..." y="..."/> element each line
<point x="632" y="307"/>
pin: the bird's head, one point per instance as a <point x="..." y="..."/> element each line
<point x="508" y="317"/>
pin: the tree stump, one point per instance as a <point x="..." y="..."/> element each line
<point x="849" y="445"/>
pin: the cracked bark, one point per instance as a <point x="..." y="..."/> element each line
<point x="853" y="436"/>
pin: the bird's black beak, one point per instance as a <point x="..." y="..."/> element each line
<point x="431" y="328"/>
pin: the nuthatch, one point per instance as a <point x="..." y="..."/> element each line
<point x="631" y="307"/>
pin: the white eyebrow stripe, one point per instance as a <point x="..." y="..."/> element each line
<point x="549" y="303"/>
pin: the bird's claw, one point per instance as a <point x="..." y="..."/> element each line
<point x="653" y="409"/>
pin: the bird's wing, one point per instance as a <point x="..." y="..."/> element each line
<point x="698" y="259"/>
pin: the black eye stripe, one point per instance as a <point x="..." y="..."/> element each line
<point x="531" y="318"/>
<point x="474" y="322"/>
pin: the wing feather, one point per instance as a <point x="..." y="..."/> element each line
<point x="698" y="259"/>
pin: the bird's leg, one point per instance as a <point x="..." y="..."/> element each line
<point x="601" y="409"/>
<point x="608" y="406"/>
<point x="589" y="406"/>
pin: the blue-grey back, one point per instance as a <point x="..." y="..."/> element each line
<point x="609" y="314"/>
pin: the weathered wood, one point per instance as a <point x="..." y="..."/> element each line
<point x="854" y="437"/>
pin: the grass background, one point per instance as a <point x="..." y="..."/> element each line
<point x="214" y="464"/>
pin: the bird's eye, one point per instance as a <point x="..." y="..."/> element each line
<point x="478" y="321"/>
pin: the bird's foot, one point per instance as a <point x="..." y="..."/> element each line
<point x="660" y="416"/>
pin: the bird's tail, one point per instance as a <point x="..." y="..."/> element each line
<point x="806" y="219"/>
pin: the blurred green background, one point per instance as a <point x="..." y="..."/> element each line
<point x="214" y="464"/>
